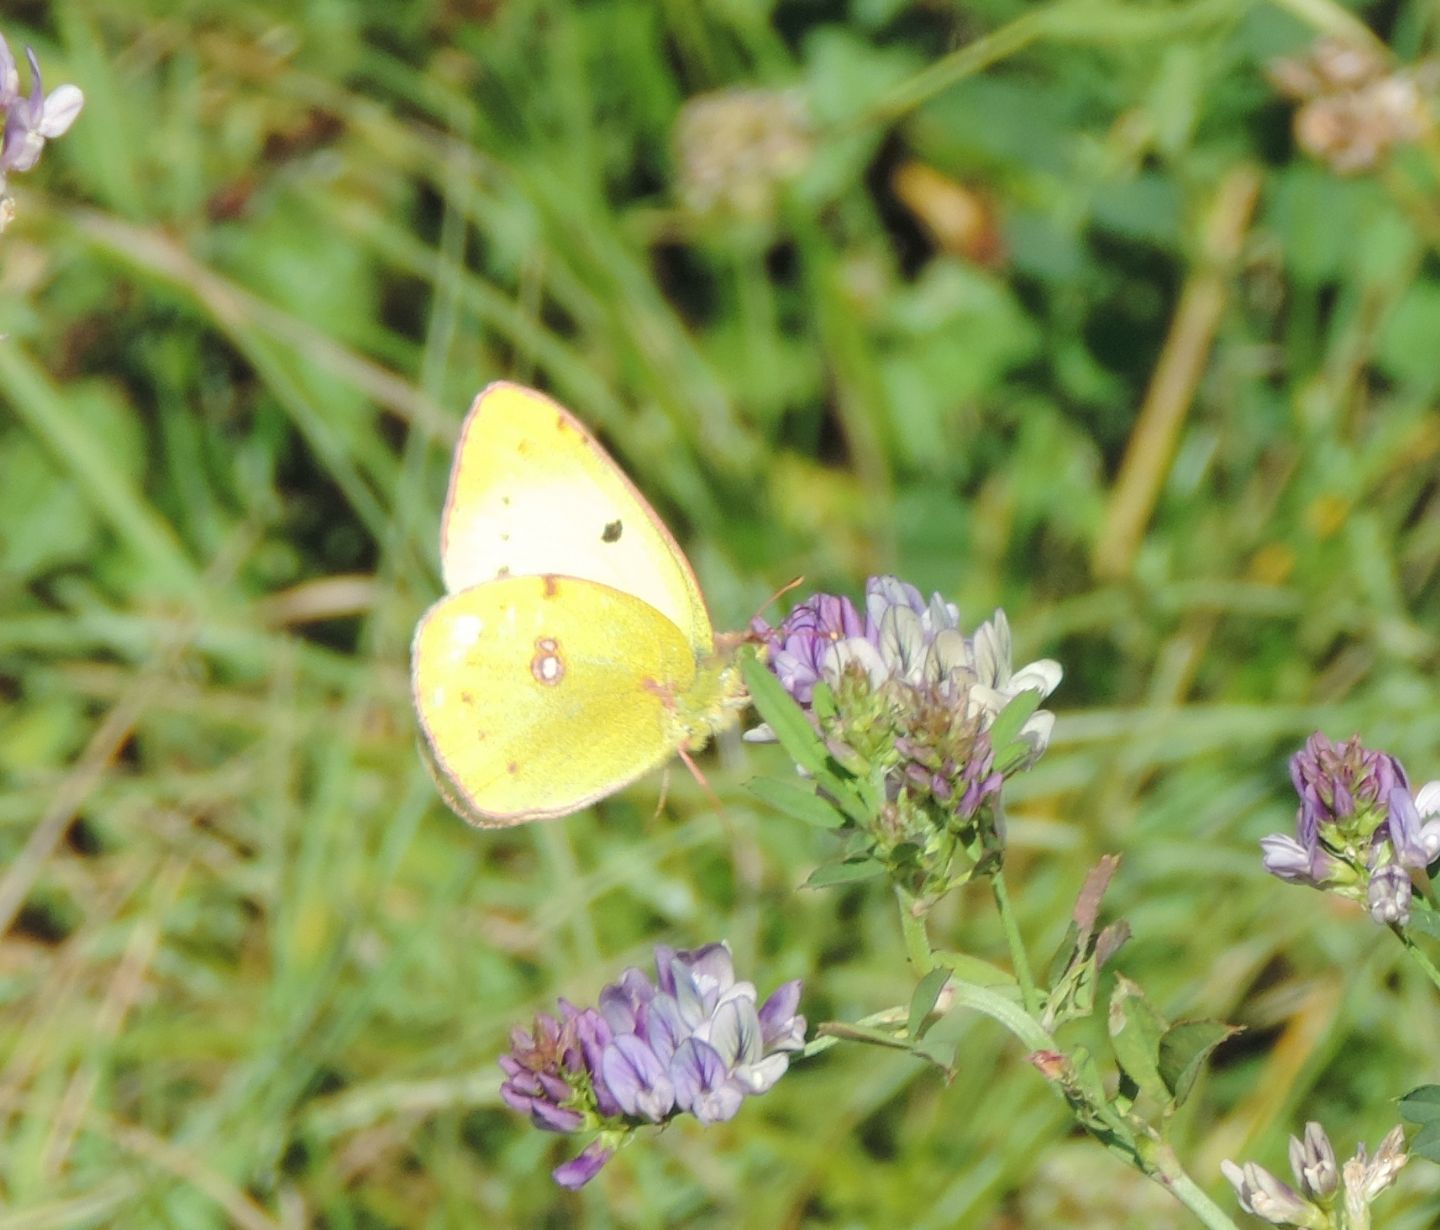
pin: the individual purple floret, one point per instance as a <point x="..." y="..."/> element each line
<point x="31" y="120"/>
<point x="691" y="1041"/>
<point x="800" y="645"/>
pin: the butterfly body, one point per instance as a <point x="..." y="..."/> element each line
<point x="572" y="652"/>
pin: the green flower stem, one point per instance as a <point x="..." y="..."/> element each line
<point x="1164" y="1167"/>
<point x="1160" y="1164"/>
<point x="912" y="926"/>
<point x="1171" y="1175"/>
<point x="1021" y="963"/>
<point x="1418" y="957"/>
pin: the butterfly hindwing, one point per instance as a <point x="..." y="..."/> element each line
<point x="540" y="694"/>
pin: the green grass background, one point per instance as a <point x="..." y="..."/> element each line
<point x="254" y="974"/>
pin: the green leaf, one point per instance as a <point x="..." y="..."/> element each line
<point x="923" y="1001"/>
<point x="866" y="1034"/>
<point x="797" y="799"/>
<point x="1184" y="1050"/>
<point x="1426" y="1142"/>
<point x="1423" y="918"/>
<point x="796" y="735"/>
<point x="1135" y="1033"/>
<point x="1421" y="1105"/>
<point x="792" y="728"/>
<point x="1007" y="723"/>
<point x="1064" y="955"/>
<point x="942" y="1055"/>
<point x="844" y="873"/>
<point x="822" y="700"/>
<point x="1009" y="749"/>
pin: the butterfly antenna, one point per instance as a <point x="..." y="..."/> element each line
<point x="749" y="636"/>
<point x="794" y="583"/>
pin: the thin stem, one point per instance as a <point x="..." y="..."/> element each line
<point x="912" y="926"/>
<point x="1018" y="959"/>
<point x="1171" y="1175"/>
<point x="1163" y="1166"/>
<point x="1419" y="957"/>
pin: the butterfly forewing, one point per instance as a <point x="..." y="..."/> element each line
<point x="531" y="492"/>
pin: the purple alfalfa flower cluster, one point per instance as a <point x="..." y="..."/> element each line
<point x="900" y="689"/>
<point x="692" y="1041"/>
<point x="1359" y="830"/>
<point x="1324" y="1189"/>
<point x="30" y="119"/>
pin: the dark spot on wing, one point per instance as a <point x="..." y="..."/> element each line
<point x="612" y="532"/>
<point x="512" y="768"/>
<point x="552" y="585"/>
<point x="468" y="698"/>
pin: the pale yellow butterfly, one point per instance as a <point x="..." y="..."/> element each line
<point x="572" y="652"/>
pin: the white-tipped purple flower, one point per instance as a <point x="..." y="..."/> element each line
<point x="691" y="1041"/>
<point x="1388" y="894"/>
<point x="1285" y="857"/>
<point x="579" y="1170"/>
<point x="1269" y="1198"/>
<point x="902" y="637"/>
<point x="1312" y="1158"/>
<point x="31" y="120"/>
<point x="905" y="700"/>
<point x="1414" y="824"/>
<point x="638" y="1079"/>
<point x="910" y="668"/>
<point x="1342" y="786"/>
<point x="1358" y="830"/>
<point x="800" y="646"/>
<point x="703" y="1083"/>
<point x="1320" y="1180"/>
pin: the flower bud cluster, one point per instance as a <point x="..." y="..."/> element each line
<point x="1359" y="829"/>
<point x="1326" y="1196"/>
<point x="1355" y="106"/>
<point x="737" y="148"/>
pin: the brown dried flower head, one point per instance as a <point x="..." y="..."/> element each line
<point x="1355" y="106"/>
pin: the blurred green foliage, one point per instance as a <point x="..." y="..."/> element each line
<point x="256" y="975"/>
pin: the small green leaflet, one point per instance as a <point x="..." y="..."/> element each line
<point x="1422" y="1106"/>
<point x="797" y="799"/>
<point x="1135" y="1032"/>
<point x="923" y="1001"/>
<point x="1185" y="1048"/>
<point x="845" y="873"/>
<point x="1008" y="748"/>
<point x="792" y="728"/>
